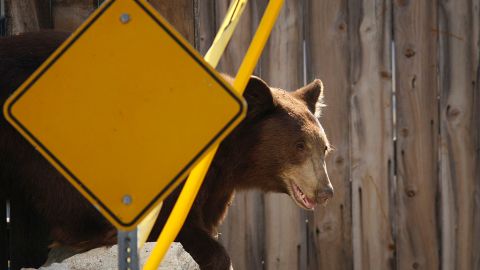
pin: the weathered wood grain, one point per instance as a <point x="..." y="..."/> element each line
<point x="417" y="134"/>
<point x="428" y="216"/>
<point x="282" y="66"/>
<point x="476" y="130"/>
<point x="476" y="221"/>
<point x="206" y="25"/>
<point x="327" y="57"/>
<point x="243" y="232"/>
<point x="44" y="13"/>
<point x="180" y="14"/>
<point x="371" y="133"/>
<point x="68" y="15"/>
<point x="21" y="16"/>
<point x="458" y="71"/>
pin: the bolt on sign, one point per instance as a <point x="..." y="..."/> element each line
<point x="124" y="109"/>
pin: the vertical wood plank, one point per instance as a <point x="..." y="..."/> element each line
<point x="206" y="25"/>
<point x="371" y="133"/>
<point x="243" y="231"/>
<point x="21" y="16"/>
<point x="283" y="66"/>
<point x="417" y="130"/>
<point x="459" y="157"/>
<point x="180" y="14"/>
<point x="329" y="230"/>
<point x="44" y="11"/>
<point x="31" y="16"/>
<point x="476" y="221"/>
<point x="67" y="15"/>
<point x="476" y="128"/>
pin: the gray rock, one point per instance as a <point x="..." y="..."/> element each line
<point x="106" y="258"/>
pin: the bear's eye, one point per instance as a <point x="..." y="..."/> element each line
<point x="300" y="146"/>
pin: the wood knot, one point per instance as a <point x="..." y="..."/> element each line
<point x="415" y="265"/>
<point x="409" y="52"/>
<point x="339" y="160"/>
<point x="452" y="113"/>
<point x="413" y="81"/>
<point x="385" y="74"/>
<point x="342" y="26"/>
<point x="327" y="227"/>
<point x="404" y="132"/>
<point x="411" y="193"/>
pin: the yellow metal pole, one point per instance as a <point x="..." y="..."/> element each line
<point x="195" y="179"/>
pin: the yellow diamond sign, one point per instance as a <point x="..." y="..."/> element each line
<point x="124" y="109"/>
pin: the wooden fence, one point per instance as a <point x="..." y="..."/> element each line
<point x="402" y="88"/>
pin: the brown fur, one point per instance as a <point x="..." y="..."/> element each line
<point x="279" y="134"/>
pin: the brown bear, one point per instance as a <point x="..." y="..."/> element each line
<point x="279" y="147"/>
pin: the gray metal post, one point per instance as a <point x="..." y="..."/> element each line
<point x="127" y="250"/>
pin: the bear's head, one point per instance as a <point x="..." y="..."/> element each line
<point x="290" y="147"/>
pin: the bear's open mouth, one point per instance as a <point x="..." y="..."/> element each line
<point x="301" y="198"/>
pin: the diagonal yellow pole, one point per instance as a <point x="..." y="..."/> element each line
<point x="195" y="179"/>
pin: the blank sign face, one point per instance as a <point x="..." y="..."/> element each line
<point x="124" y="109"/>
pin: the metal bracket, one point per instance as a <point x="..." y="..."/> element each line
<point x="127" y="250"/>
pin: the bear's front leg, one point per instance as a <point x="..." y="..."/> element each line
<point x="204" y="249"/>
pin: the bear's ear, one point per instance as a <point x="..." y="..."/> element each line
<point x="312" y="95"/>
<point x="259" y="97"/>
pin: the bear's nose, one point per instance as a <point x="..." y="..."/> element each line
<point x="328" y="190"/>
<point x="326" y="193"/>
